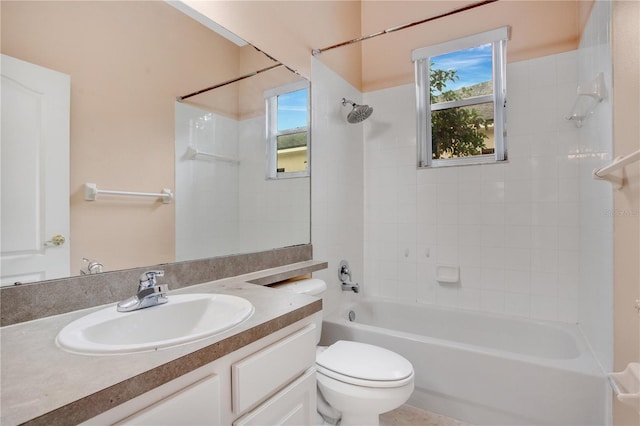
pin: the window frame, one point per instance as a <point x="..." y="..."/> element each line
<point x="272" y="133"/>
<point x="421" y="58"/>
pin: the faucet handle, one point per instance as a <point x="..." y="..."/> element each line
<point x="148" y="278"/>
<point x="160" y="291"/>
<point x="344" y="272"/>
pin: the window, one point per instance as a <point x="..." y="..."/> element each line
<point x="288" y="131"/>
<point x="461" y="89"/>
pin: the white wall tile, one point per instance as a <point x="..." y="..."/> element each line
<point x="470" y="256"/>
<point x="544" y="307"/>
<point x="504" y="224"/>
<point x="544" y="284"/>
<point x="518" y="214"/>
<point x="470" y="235"/>
<point x="493" y="236"/>
<point x="471" y="276"/>
<point x="518" y="281"/>
<point x="514" y="228"/>
<point x="338" y="171"/>
<point x="492" y="279"/>
<point x="517" y="304"/>
<point x="492" y="301"/>
<point x="517" y="236"/>
<point x="518" y="259"/>
<point x="594" y="139"/>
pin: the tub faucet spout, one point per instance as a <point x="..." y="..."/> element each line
<point x="351" y="287"/>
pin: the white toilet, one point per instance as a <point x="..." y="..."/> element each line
<point x="357" y="380"/>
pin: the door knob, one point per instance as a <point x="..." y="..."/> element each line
<point x="56" y="240"/>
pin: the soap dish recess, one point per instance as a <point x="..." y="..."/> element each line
<point x="447" y="274"/>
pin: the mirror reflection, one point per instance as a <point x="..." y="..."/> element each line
<point x="234" y="196"/>
<point x="127" y="62"/>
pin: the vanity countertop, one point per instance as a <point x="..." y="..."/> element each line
<point x="42" y="384"/>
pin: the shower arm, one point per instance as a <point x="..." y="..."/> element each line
<point x="346" y="101"/>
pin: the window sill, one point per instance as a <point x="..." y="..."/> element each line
<point x="464" y="161"/>
<point x="289" y="175"/>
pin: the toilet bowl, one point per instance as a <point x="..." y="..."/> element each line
<point x="362" y="381"/>
<point x="356" y="381"/>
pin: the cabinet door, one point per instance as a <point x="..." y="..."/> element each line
<point x="197" y="404"/>
<point x="295" y="405"/>
<point x="260" y="375"/>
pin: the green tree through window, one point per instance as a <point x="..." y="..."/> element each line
<point x="461" y="100"/>
<point x="455" y="131"/>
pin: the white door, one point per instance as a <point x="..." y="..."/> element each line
<point x="34" y="154"/>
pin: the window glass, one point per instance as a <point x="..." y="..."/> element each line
<point x="292" y="110"/>
<point x="459" y="84"/>
<point x="292" y="132"/>
<point x="288" y="131"/>
<point x="465" y="73"/>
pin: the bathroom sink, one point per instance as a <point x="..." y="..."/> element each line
<point x="183" y="319"/>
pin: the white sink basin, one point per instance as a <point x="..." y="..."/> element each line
<point x="183" y="319"/>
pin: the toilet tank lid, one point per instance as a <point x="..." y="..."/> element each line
<point x="311" y="286"/>
<point x="364" y="361"/>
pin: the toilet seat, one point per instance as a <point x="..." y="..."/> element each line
<point x="362" y="364"/>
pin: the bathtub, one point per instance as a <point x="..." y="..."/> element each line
<point x="481" y="368"/>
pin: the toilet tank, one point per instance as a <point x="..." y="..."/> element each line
<point x="311" y="286"/>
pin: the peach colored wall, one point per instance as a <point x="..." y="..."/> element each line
<point x="538" y="28"/>
<point x="290" y="30"/>
<point x="584" y="11"/>
<point x="626" y="224"/>
<point x="128" y="61"/>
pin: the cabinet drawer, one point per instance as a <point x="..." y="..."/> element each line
<point x="197" y="404"/>
<point x="295" y="405"/>
<point x="258" y="376"/>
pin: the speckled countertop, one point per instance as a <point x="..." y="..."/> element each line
<point x="42" y="384"/>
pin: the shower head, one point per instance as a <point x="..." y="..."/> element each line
<point x="359" y="113"/>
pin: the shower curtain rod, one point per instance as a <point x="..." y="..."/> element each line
<point x="316" y="52"/>
<point x="182" y="98"/>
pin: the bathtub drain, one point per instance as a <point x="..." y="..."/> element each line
<point x="352" y="316"/>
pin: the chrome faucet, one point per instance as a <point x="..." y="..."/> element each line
<point x="355" y="287"/>
<point x="90" y="266"/>
<point x="344" y="274"/>
<point x="150" y="293"/>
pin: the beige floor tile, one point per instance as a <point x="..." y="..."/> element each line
<point x="411" y="416"/>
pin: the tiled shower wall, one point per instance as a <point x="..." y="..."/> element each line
<point x="596" y="197"/>
<point x="224" y="207"/>
<point x="513" y="229"/>
<point x="532" y="237"/>
<point x="272" y="213"/>
<point x="337" y="186"/>
<point x="206" y="193"/>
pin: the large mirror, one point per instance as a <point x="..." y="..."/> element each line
<point x="126" y="63"/>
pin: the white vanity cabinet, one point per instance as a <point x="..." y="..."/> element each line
<point x="195" y="405"/>
<point x="268" y="382"/>
<point x="190" y="400"/>
<point x="277" y="385"/>
<point x="294" y="405"/>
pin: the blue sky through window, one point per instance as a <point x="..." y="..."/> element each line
<point x="292" y="110"/>
<point x="473" y="66"/>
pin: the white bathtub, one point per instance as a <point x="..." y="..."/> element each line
<point x="481" y="368"/>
